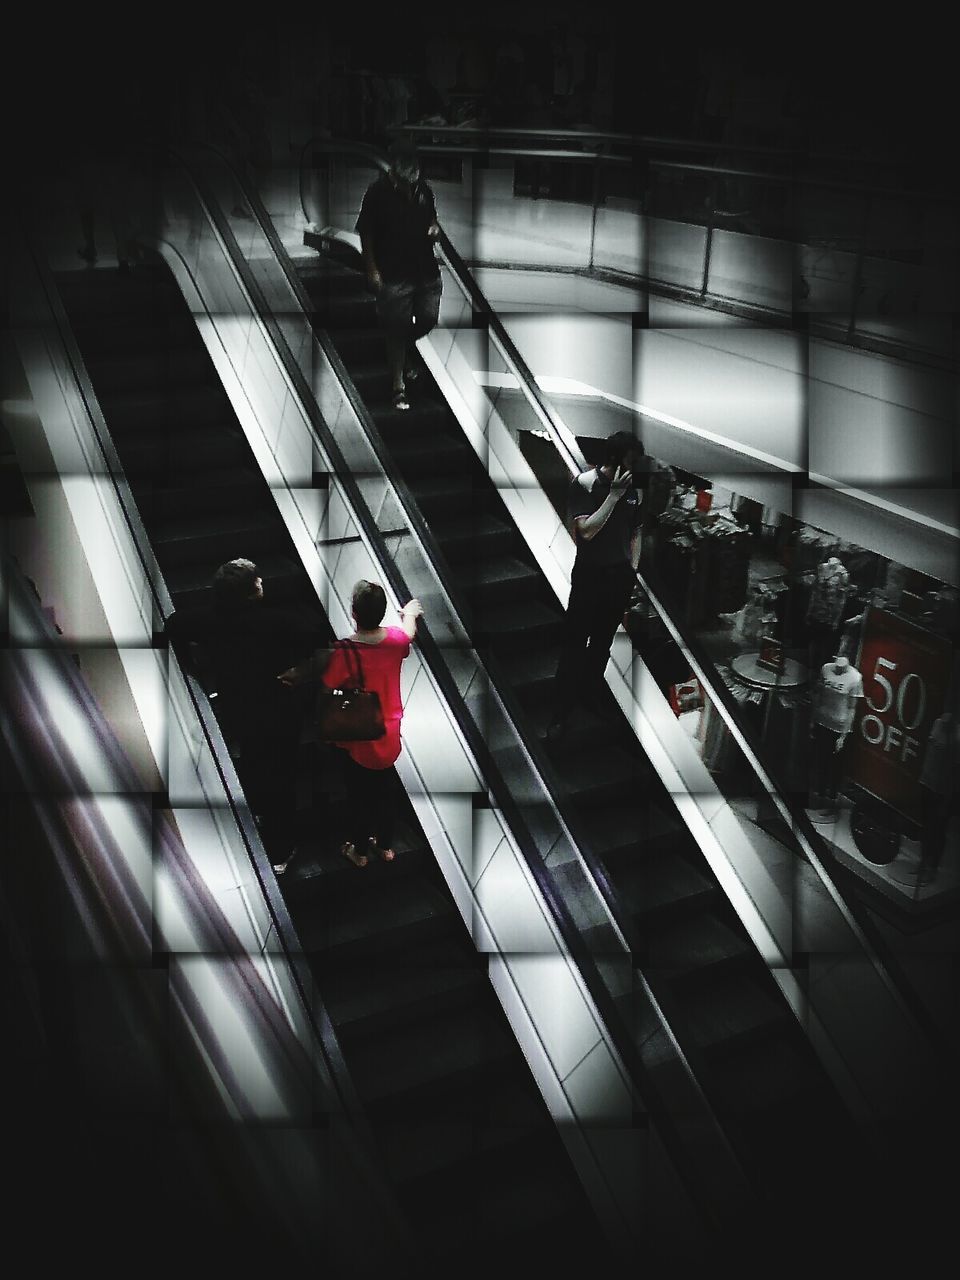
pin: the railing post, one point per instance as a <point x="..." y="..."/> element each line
<point x="858" y="268"/>
<point x="596" y="200"/>
<point x="708" y="242"/>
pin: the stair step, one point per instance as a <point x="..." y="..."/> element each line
<point x="622" y="832"/>
<point x="455" y="1052"/>
<point x="368" y="998"/>
<point x="107" y="337"/>
<point x="156" y="369"/>
<point x="424" y="1158"/>
<point x="530" y="674"/>
<point x="730" y="1011"/>
<point x="442" y="495"/>
<point x="658" y="883"/>
<point x="226" y="490"/>
<point x="697" y="948"/>
<point x="466" y="537"/>
<point x="762" y="1078"/>
<point x="524" y="625"/>
<point x="215" y="537"/>
<point x="529" y="1196"/>
<point x="104" y="291"/>
<point x="420" y="452"/>
<point x="375" y="918"/>
<point x="183" y="455"/>
<point x="176" y="408"/>
<point x="592" y="769"/>
<point x="496" y="580"/>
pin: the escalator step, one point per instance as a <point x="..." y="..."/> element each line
<point x="107" y="292"/>
<point x="466" y="537"/>
<point x="219" y="489"/>
<point x="365" y="999"/>
<point x="626" y="831"/>
<point x="108" y="337"/>
<point x="731" y="1011"/>
<point x="457" y="1054"/>
<point x="216" y="537"/>
<point x="423" y="1157"/>
<point x="496" y="579"/>
<point x="660" y="884"/>
<point x="441" y="495"/>
<point x="186" y="455"/>
<point x="377" y="920"/>
<point x="591" y="769"/>
<point x="151" y="369"/>
<point x="697" y="948"/>
<point x="421" y="452"/>
<point x="179" y="408"/>
<point x="527" y="624"/>
<point x="765" y="1077"/>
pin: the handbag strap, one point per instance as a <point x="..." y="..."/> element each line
<point x="351" y="648"/>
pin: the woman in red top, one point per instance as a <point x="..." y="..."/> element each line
<point x="368" y="765"/>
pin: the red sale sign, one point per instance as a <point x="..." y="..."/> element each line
<point x="906" y="671"/>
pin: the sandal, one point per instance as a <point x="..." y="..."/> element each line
<point x="386" y="855"/>
<point x="349" y="850"/>
<point x="400" y="401"/>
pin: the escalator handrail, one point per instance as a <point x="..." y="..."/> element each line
<point x="856" y="920"/>
<point x="432" y="653"/>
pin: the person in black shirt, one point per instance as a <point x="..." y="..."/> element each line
<point x="398" y="227"/>
<point x="246" y="645"/>
<point x="604" y="510"/>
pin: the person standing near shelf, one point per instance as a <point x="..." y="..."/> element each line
<point x="398" y="226"/>
<point x="605" y="514"/>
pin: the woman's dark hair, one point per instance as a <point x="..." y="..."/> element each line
<point x="235" y="582"/>
<point x="369" y="604"/>
<point x="617" y="446"/>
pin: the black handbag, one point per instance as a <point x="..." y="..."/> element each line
<point x="352" y="713"/>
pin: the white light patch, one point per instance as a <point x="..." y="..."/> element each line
<point x="572" y="387"/>
<point x="73" y="727"/>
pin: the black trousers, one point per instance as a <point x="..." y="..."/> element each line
<point x="598" y="601"/>
<point x="826" y="763"/>
<point x="267" y="769"/>
<point x="371" y="803"/>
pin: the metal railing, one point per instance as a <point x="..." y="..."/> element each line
<point x="854" y="270"/>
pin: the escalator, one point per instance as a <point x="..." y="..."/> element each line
<point x="774" y="1100"/>
<point x="465" y="1137"/>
